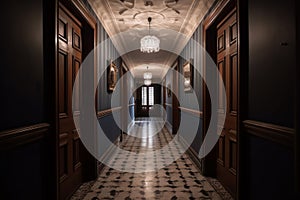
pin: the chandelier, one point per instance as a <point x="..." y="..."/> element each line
<point x="147" y="81"/>
<point x="147" y="77"/>
<point x="149" y="43"/>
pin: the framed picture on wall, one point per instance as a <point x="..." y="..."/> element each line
<point x="112" y="76"/>
<point x="188" y="76"/>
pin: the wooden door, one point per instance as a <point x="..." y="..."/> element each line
<point x="175" y="102"/>
<point x="69" y="61"/>
<point x="147" y="100"/>
<point x="227" y="62"/>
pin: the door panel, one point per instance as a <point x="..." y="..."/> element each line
<point x="69" y="60"/>
<point x="63" y="64"/>
<point x="228" y="65"/>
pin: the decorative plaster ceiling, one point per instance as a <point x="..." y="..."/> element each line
<point x="173" y="22"/>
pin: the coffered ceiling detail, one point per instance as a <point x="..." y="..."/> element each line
<point x="130" y="18"/>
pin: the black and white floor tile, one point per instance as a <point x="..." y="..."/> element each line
<point x="179" y="180"/>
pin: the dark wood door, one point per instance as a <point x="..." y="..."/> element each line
<point x="227" y="62"/>
<point x="175" y="102"/>
<point x="69" y="60"/>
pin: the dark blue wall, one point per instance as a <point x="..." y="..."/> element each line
<point x="106" y="53"/>
<point x="109" y="127"/>
<point x="130" y="93"/>
<point x="272" y="65"/>
<point x="131" y="112"/>
<point x="270" y="97"/>
<point x="21" y="71"/>
<point x="24" y="170"/>
<point x="269" y="170"/>
<point x="192" y="52"/>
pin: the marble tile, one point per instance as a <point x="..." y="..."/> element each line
<point x="179" y="180"/>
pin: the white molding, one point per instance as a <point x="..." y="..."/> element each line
<point x="168" y="126"/>
<point x="130" y="125"/>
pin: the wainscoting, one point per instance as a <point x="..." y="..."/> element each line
<point x="110" y="128"/>
<point x="279" y="134"/>
<point x="267" y="157"/>
<point x="20" y="136"/>
<point x="26" y="162"/>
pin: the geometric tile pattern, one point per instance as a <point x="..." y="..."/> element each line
<point x="179" y="180"/>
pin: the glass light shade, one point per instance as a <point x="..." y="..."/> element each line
<point x="147" y="75"/>
<point x="147" y="82"/>
<point x="150" y="44"/>
<point x="187" y="82"/>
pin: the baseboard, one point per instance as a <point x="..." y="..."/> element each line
<point x="192" y="153"/>
<point x="168" y="126"/>
<point x="106" y="156"/>
<point x="130" y="125"/>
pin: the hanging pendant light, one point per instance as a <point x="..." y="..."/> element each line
<point x="147" y="74"/>
<point x="150" y="43"/>
<point x="147" y="82"/>
<point x="147" y="77"/>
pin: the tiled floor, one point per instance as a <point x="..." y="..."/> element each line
<point x="179" y="180"/>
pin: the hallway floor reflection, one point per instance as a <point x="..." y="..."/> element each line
<point x="179" y="180"/>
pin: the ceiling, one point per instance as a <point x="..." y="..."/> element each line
<point x="173" y="22"/>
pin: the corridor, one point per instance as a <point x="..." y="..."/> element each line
<point x="179" y="180"/>
<point x="150" y="99"/>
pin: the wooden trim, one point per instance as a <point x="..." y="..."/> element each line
<point x="85" y="13"/>
<point x="104" y="113"/>
<point x="23" y="135"/>
<point x="192" y="111"/>
<point x="218" y="8"/>
<point x="175" y="102"/>
<point x="70" y="14"/>
<point x="80" y="11"/>
<point x="297" y="106"/>
<point x="54" y="91"/>
<point x="243" y="47"/>
<point x="279" y="134"/>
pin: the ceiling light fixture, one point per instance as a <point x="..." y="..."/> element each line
<point x="147" y="77"/>
<point x="149" y="43"/>
<point x="147" y="74"/>
<point x="147" y="82"/>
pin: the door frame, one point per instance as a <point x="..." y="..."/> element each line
<point x="84" y="16"/>
<point x="220" y="10"/>
<point x="297" y="112"/>
<point x="175" y="101"/>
